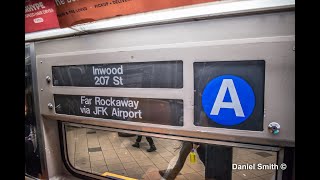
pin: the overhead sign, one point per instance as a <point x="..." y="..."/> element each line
<point x="145" y="110"/>
<point x="72" y="12"/>
<point x="229" y="94"/>
<point x="160" y="74"/>
<point x="40" y="15"/>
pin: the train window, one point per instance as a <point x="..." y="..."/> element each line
<point x="118" y="155"/>
<point x="32" y="152"/>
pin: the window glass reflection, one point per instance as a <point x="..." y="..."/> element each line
<point x="259" y="164"/>
<point x="116" y="154"/>
<point x="32" y="155"/>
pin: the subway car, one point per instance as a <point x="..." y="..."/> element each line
<point x="198" y="92"/>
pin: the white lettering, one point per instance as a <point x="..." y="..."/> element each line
<point x="123" y="103"/>
<point x="107" y="71"/>
<point x="255" y="166"/>
<point x="59" y="2"/>
<point x="136" y="103"/>
<point x="34" y="7"/>
<point x="117" y="80"/>
<point x="267" y="166"/>
<point x="111" y="102"/>
<point x="85" y="110"/>
<point x="234" y="166"/>
<point x="114" y="112"/>
<point x="126" y="114"/>
<point x="101" y="80"/>
<point x="120" y="70"/>
<point x="227" y="84"/>
<point x="85" y="100"/>
<point x="38" y="20"/>
<point x="100" y="111"/>
<point x="243" y="166"/>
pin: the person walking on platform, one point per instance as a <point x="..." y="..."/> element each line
<point x="150" y="141"/>
<point x="178" y="162"/>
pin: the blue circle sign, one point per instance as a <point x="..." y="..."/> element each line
<point x="228" y="100"/>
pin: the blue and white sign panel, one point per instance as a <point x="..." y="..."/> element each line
<point x="228" y="100"/>
<point x="229" y="94"/>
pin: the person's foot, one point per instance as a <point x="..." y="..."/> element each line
<point x="162" y="172"/>
<point x="166" y="174"/>
<point x="152" y="148"/>
<point x="136" y="144"/>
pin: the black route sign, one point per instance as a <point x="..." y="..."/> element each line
<point x="145" y="110"/>
<point x="229" y="94"/>
<point x="160" y="74"/>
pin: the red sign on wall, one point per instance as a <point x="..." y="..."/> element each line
<point x="40" y="15"/>
<point x="72" y="12"/>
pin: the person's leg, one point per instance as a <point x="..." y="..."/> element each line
<point x="218" y="165"/>
<point x="186" y="148"/>
<point x="151" y="143"/>
<point x="138" y="140"/>
<point x="150" y="140"/>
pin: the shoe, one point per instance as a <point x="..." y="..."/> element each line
<point x="162" y="172"/>
<point x="167" y="174"/>
<point x="136" y="144"/>
<point x="152" y="148"/>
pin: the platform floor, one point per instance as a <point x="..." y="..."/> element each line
<point x="98" y="152"/>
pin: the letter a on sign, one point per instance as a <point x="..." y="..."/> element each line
<point x="227" y="84"/>
<point x="228" y="100"/>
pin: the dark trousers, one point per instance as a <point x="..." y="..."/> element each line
<point x="149" y="139"/>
